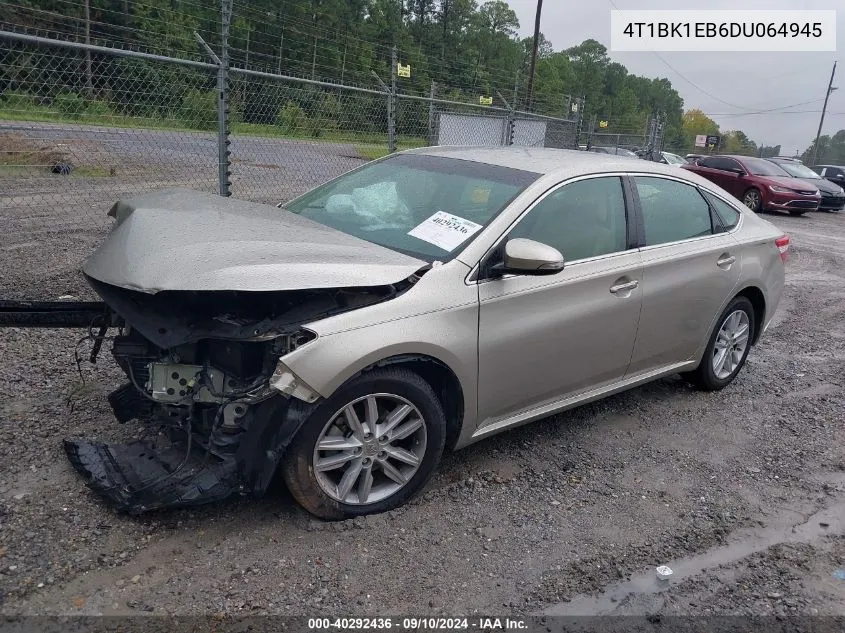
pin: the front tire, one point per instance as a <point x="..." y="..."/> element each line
<point x="368" y="448"/>
<point x="753" y="200"/>
<point x="727" y="348"/>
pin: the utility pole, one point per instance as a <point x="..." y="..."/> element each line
<point x="89" y="74"/>
<point x="281" y="48"/>
<point x="529" y="96"/>
<point x="391" y="102"/>
<point x="830" y="89"/>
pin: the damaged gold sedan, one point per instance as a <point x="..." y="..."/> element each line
<point x="419" y="303"/>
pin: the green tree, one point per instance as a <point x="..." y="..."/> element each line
<point x="695" y="122"/>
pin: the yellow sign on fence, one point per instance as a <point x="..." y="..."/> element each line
<point x="485" y="100"/>
<point x="602" y="123"/>
<point x="403" y="71"/>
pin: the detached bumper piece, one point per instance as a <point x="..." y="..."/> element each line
<point x="139" y="476"/>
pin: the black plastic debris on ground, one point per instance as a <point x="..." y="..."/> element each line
<point x="138" y="476"/>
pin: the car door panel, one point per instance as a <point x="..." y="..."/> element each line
<point x="684" y="287"/>
<point x="541" y="338"/>
<point x="690" y="267"/>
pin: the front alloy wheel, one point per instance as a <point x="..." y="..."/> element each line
<point x="369" y="447"/>
<point x="752" y="200"/>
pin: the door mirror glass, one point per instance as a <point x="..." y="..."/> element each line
<point x="528" y="257"/>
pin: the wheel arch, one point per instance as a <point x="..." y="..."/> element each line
<point x="758" y="302"/>
<point x="442" y="379"/>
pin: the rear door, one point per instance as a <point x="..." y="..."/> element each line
<point x="721" y="169"/>
<point x="706" y="167"/>
<point x="691" y="265"/>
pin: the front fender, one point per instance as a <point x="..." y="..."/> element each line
<point x="448" y="336"/>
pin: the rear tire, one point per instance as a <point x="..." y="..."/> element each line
<point x="374" y="461"/>
<point x="753" y="200"/>
<point x="722" y="359"/>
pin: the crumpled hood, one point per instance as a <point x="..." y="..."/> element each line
<point x="185" y="240"/>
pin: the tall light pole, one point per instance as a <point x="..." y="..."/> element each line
<point x="529" y="93"/>
<point x="830" y="89"/>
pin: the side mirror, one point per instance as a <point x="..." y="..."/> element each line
<point x="739" y="172"/>
<point x="528" y="257"/>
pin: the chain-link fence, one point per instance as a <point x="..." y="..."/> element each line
<point x="84" y="125"/>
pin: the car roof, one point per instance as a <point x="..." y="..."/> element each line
<point x="830" y="165"/>
<point x="564" y="163"/>
<point x="738" y="156"/>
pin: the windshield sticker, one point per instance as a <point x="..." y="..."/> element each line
<point x="444" y="230"/>
<point x="480" y="195"/>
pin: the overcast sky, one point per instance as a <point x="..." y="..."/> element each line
<point x="756" y="81"/>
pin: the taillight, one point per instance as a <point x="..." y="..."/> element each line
<point x="783" y="247"/>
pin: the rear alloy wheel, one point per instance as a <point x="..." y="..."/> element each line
<point x="368" y="448"/>
<point x="752" y="200"/>
<point x="727" y="348"/>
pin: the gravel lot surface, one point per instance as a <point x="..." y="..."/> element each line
<point x="568" y="515"/>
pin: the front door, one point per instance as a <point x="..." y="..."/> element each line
<point x="543" y="338"/>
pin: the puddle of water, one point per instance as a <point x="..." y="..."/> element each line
<point x="754" y="542"/>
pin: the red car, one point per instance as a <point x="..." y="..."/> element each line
<point x="760" y="184"/>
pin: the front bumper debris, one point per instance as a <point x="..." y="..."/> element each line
<point x="138" y="476"/>
<point x="144" y="475"/>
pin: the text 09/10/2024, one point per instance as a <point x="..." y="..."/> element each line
<point x="723" y="31"/>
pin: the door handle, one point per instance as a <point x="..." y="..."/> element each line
<point x="624" y="287"/>
<point x="725" y="261"/>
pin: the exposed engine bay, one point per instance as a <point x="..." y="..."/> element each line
<point x="219" y="406"/>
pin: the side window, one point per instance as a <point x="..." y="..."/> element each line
<point x="731" y="164"/>
<point x="672" y="210"/>
<point x="708" y="162"/>
<point x="582" y="219"/>
<point x="728" y="215"/>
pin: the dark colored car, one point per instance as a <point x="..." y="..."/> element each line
<point x="833" y="197"/>
<point x="618" y="151"/>
<point x="833" y="173"/>
<point x="761" y="184"/>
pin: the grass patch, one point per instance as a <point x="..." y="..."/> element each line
<point x="21" y="156"/>
<point x="17" y="150"/>
<point x="93" y="172"/>
<point x="47" y="114"/>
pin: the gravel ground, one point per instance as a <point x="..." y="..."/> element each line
<point x="568" y="515"/>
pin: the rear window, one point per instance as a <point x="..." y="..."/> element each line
<point x="727" y="214"/>
<point x="672" y="211"/>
